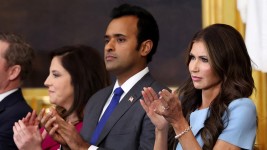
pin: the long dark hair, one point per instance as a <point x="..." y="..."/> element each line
<point x="88" y="75"/>
<point x="230" y="61"/>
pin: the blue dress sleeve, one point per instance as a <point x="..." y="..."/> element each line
<point x="241" y="128"/>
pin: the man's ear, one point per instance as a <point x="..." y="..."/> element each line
<point x="14" y="71"/>
<point x="146" y="47"/>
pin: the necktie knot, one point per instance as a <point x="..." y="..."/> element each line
<point x="118" y="91"/>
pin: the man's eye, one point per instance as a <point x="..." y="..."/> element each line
<point x="106" y="41"/>
<point x="120" y="40"/>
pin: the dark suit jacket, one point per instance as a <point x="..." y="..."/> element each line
<point x="128" y="128"/>
<point x="12" y="108"/>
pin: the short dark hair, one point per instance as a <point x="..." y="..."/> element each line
<point x="146" y="25"/>
<point x="18" y="53"/>
<point x="87" y="71"/>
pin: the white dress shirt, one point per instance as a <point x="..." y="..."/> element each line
<point x="126" y="86"/>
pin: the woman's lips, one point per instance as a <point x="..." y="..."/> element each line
<point x="195" y="78"/>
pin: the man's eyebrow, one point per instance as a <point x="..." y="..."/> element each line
<point x="115" y="35"/>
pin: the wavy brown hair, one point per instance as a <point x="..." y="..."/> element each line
<point x="230" y="61"/>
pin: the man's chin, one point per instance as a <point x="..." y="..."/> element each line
<point x="111" y="69"/>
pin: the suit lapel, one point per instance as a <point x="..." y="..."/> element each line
<point x="133" y="96"/>
<point x="97" y="109"/>
<point x="10" y="100"/>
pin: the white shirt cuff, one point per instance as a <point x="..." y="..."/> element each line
<point x="92" y="147"/>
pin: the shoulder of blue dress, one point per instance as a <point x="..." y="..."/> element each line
<point x="240" y="102"/>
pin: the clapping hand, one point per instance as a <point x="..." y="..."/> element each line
<point x="151" y="105"/>
<point x="63" y="132"/>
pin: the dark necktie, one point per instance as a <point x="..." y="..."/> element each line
<point x="114" y="102"/>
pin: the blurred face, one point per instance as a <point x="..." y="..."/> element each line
<point x="59" y="85"/>
<point x="4" y="74"/>
<point x="121" y="56"/>
<point x="202" y="74"/>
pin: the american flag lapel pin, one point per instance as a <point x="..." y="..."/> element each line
<point x="131" y="99"/>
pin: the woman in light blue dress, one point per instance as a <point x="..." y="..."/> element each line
<point x="211" y="110"/>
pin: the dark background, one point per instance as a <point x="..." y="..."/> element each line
<point x="50" y="24"/>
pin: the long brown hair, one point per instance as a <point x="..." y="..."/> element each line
<point x="230" y="61"/>
<point x="88" y="75"/>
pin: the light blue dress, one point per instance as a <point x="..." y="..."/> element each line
<point x="241" y="128"/>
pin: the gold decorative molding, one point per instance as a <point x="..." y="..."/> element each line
<point x="37" y="98"/>
<point x="222" y="11"/>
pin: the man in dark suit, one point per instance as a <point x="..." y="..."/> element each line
<point x="131" y="40"/>
<point x="15" y="63"/>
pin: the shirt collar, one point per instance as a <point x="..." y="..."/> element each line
<point x="4" y="95"/>
<point x="128" y="84"/>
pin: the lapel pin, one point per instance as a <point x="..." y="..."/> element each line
<point x="131" y="99"/>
